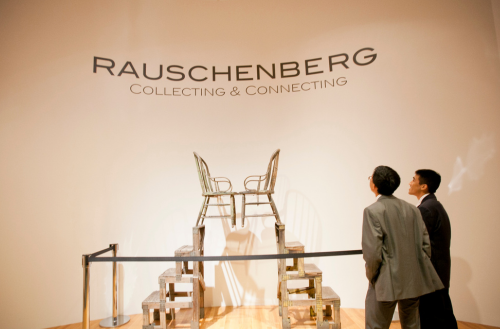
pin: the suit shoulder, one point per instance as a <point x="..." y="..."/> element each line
<point x="432" y="205"/>
<point x="376" y="206"/>
<point x="411" y="207"/>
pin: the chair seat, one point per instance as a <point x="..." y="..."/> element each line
<point x="170" y="276"/>
<point x="220" y="193"/>
<point x="294" y="246"/>
<point x="251" y="192"/>
<point x="328" y="296"/>
<point x="310" y="271"/>
<point x="184" y="251"/>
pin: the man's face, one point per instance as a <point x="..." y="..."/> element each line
<point x="415" y="187"/>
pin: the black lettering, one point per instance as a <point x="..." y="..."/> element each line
<point x="331" y="84"/>
<point x="221" y="93"/>
<point x="185" y="94"/>
<point x="196" y="67"/>
<point x="295" y="87"/>
<point x="133" y="91"/>
<point x="265" y="90"/>
<point x="271" y="88"/>
<point x="128" y="72"/>
<point x="210" y="92"/>
<point x="144" y="72"/>
<point x="104" y="66"/>
<point x="341" y="83"/>
<point x="346" y="58"/>
<point x="311" y="66"/>
<point x="238" y="72"/>
<point x="175" y="91"/>
<point x="144" y="90"/>
<point x="296" y="69"/>
<point x="281" y="88"/>
<point x="247" y="90"/>
<point x="176" y="72"/>
<point x="259" y="67"/>
<point x="220" y="73"/>
<point x="302" y="86"/>
<point x="372" y="56"/>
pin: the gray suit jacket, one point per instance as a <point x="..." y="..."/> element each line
<point x="397" y="250"/>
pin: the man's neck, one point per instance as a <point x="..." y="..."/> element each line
<point x="420" y="199"/>
<point x="421" y="195"/>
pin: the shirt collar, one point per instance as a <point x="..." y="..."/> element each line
<point x="422" y="199"/>
<point x="378" y="196"/>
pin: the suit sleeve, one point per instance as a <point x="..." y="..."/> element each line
<point x="431" y="221"/>
<point x="372" y="245"/>
<point x="426" y="246"/>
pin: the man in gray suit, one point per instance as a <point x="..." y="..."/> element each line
<point x="397" y="251"/>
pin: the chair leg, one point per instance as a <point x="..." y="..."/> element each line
<point x="243" y="210"/>
<point x="285" y="320"/>
<point x="203" y="210"/>
<point x="145" y="315"/>
<point x="171" y="291"/>
<point x="273" y="207"/>
<point x="233" y="212"/>
<point x="319" y="301"/>
<point x="328" y="311"/>
<point x="195" y="322"/>
<point x="336" y="312"/>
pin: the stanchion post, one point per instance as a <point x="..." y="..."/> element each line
<point x="115" y="286"/>
<point x="115" y="320"/>
<point x="86" y="292"/>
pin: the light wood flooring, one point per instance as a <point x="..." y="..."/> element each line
<point x="258" y="317"/>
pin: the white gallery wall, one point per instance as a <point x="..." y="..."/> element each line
<point x="89" y="158"/>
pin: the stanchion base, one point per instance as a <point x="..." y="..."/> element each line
<point x="114" y="322"/>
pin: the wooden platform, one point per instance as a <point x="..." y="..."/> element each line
<point x="258" y="317"/>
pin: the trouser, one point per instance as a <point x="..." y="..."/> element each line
<point x="378" y="315"/>
<point x="436" y="311"/>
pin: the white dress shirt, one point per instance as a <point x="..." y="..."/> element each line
<point x="421" y="199"/>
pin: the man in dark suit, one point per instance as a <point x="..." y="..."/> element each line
<point x="396" y="249"/>
<point x="435" y="308"/>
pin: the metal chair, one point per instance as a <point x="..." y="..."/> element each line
<point x="211" y="189"/>
<point x="264" y="186"/>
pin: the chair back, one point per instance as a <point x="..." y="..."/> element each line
<point x="272" y="171"/>
<point x="203" y="174"/>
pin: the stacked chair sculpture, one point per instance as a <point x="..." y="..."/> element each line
<point x="164" y="299"/>
<point x="213" y="191"/>
<point x="316" y="295"/>
<point x="265" y="186"/>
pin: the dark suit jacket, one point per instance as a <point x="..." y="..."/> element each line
<point x="438" y="225"/>
<point x="396" y="249"/>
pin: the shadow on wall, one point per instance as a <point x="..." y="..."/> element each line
<point x="302" y="221"/>
<point x="480" y="151"/>
<point x="233" y="280"/>
<point x="461" y="273"/>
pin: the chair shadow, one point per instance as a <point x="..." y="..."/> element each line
<point x="233" y="284"/>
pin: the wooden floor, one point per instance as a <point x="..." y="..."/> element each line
<point x="258" y="317"/>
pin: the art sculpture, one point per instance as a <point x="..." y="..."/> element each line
<point x="162" y="304"/>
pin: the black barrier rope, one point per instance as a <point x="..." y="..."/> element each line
<point x="94" y="258"/>
<point x="101" y="252"/>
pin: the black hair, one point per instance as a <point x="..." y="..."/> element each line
<point x="429" y="177"/>
<point x="386" y="180"/>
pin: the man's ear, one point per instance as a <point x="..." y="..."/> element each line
<point x="424" y="188"/>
